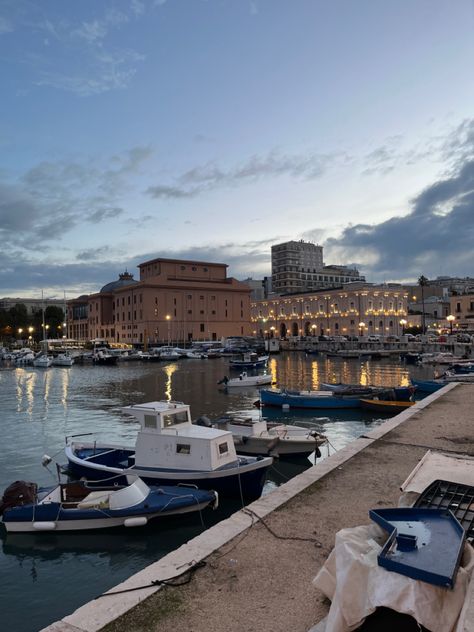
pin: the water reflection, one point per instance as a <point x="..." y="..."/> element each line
<point x="169" y="369"/>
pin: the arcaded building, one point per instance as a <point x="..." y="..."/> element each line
<point x="174" y="301"/>
<point x="352" y="310"/>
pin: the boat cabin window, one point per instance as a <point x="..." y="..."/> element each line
<point x="223" y="448"/>
<point x="175" y="418"/>
<point x="183" y="448"/>
<point x="150" y="421"/>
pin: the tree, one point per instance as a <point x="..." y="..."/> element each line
<point x="18" y="316"/>
<point x="422" y="282"/>
<point x="54" y="317"/>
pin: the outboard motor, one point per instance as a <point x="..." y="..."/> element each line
<point x="17" y="494"/>
<point x="203" y="421"/>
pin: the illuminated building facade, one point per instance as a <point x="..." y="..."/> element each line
<point x="354" y="309"/>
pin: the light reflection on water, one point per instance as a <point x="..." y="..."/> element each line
<point x="40" y="407"/>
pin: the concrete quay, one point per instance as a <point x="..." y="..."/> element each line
<point x="258" y="574"/>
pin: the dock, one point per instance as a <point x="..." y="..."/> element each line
<point x="254" y="571"/>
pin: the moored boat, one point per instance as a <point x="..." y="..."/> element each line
<point x="257" y="436"/>
<point x="169" y="449"/>
<point x="306" y="399"/>
<point x="76" y="507"/>
<point x="389" y="407"/>
<point x="248" y="360"/>
<point x="428" y="386"/>
<point x="245" y="380"/>
<point x="63" y="359"/>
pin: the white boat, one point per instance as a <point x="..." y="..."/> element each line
<point x="76" y="507"/>
<point x="170" y="449"/>
<point x="245" y="380"/>
<point x="63" y="359"/>
<point x="257" y="436"/>
<point x="42" y="361"/>
<point x="168" y="353"/>
<point x="23" y="357"/>
<point x="195" y="355"/>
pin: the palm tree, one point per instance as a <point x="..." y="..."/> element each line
<point x="422" y="281"/>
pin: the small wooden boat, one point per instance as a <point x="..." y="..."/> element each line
<point x="245" y="380"/>
<point x="428" y="386"/>
<point x="384" y="406"/>
<point x="76" y="507"/>
<point x="306" y="399"/>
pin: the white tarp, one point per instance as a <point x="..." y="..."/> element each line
<point x="356" y="585"/>
<point x="457" y="468"/>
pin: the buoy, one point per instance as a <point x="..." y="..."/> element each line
<point x="139" y="521"/>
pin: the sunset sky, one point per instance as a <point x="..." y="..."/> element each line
<point x="212" y="129"/>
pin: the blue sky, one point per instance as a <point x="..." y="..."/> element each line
<point x="212" y="129"/>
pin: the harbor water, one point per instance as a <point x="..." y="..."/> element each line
<point x="45" y="576"/>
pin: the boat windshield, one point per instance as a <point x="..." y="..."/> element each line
<point x="175" y="418"/>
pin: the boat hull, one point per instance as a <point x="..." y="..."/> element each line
<point x="389" y="407"/>
<point x="246" y="479"/>
<point x="269" y="398"/>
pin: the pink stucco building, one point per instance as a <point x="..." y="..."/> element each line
<point x="174" y="301"/>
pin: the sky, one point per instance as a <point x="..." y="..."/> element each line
<point x="212" y="129"/>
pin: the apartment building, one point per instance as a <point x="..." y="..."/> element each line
<point x="298" y="266"/>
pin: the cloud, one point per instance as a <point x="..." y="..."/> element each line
<point x="84" y="57"/>
<point x="52" y="198"/>
<point x="435" y="237"/>
<point x="93" y="254"/>
<point x="210" y="176"/>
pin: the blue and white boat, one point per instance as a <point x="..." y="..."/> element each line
<point x="170" y="449"/>
<point x="76" y="507"/>
<point x="428" y="386"/>
<point x="306" y="399"/>
<point x="248" y="360"/>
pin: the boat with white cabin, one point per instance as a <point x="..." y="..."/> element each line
<point x="170" y="449"/>
<point x="42" y="361"/>
<point x="245" y="380"/>
<point x="258" y="436"/>
<point x="63" y="359"/>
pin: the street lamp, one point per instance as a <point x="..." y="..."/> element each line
<point x="450" y="320"/>
<point x="361" y="329"/>
<point x="20" y="331"/>
<point x="313" y="330"/>
<point x="403" y="322"/>
<point x="272" y="332"/>
<point x="168" y="318"/>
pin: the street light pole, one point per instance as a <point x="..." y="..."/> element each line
<point x="168" y="318"/>
<point x="450" y="320"/>
<point x="403" y="322"/>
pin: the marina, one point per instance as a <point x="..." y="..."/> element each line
<point x="40" y="408"/>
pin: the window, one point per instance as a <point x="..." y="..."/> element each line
<point x="223" y="448"/>
<point x="190" y="311"/>
<point x="183" y="448"/>
<point x="205" y="269"/>
<point x="201" y="298"/>
<point x="213" y="311"/>
<point x="175" y="418"/>
<point x="150" y="421"/>
<point x="201" y="327"/>
<point x="156" y="312"/>
<point x="183" y="267"/>
<point x="201" y="311"/>
<point x="190" y="296"/>
<point x="128" y="300"/>
<point x="194" y="268"/>
<point x="135" y="299"/>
